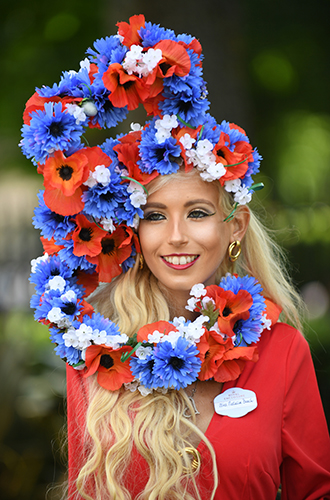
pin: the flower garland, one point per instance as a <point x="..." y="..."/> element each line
<point x="160" y="355"/>
<point x="93" y="196"/>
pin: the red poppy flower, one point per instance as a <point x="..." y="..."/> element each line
<point x="50" y="246"/>
<point x="175" y="59"/>
<point x="86" y="309"/>
<point x="161" y="326"/>
<point x="126" y="90"/>
<point x="233" y="361"/>
<point x="212" y="348"/>
<point x="116" y="248"/>
<point x="180" y="132"/>
<point x="96" y="157"/>
<point x="128" y="154"/>
<point x="35" y="103"/>
<point x="242" y="151"/>
<point x="130" y="30"/>
<point x="112" y="372"/>
<point x="89" y="281"/>
<point x="231" y="306"/>
<point x="151" y="105"/>
<point x="86" y="237"/>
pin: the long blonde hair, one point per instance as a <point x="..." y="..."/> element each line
<point x="118" y="421"/>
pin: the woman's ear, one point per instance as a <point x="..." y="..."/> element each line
<point x="240" y="223"/>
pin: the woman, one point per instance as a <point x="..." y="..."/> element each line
<point x="192" y="388"/>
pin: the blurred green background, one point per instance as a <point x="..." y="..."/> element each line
<point x="267" y="68"/>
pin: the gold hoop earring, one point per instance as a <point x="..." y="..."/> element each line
<point x="141" y="261"/>
<point x="234" y="250"/>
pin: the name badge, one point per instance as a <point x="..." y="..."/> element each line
<point x="235" y="402"/>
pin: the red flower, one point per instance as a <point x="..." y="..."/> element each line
<point x="63" y="178"/>
<point x="161" y="326"/>
<point x="50" y="246"/>
<point x="175" y="59"/>
<point x="116" y="248"/>
<point x="233" y="361"/>
<point x="112" y="373"/>
<point x="35" y="103"/>
<point x="130" y="30"/>
<point x="231" y="306"/>
<point x="242" y="151"/>
<point x="126" y="90"/>
<point x="212" y="348"/>
<point x="89" y="281"/>
<point x="87" y="237"/>
<point x="128" y="154"/>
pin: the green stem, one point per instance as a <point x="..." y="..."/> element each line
<point x="257" y="187"/>
<point x="124" y="357"/>
<point x="184" y="123"/>
<point x="232" y="213"/>
<point x="97" y="224"/>
<point x="234" y="164"/>
<point x="134" y="180"/>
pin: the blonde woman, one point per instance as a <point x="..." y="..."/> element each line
<point x="184" y="383"/>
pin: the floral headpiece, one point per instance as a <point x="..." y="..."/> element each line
<point x="89" y="210"/>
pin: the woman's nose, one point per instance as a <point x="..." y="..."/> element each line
<point x="177" y="233"/>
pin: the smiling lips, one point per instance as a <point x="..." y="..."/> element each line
<point x="180" y="261"/>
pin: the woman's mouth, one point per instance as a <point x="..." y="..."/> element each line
<point x="180" y="261"/>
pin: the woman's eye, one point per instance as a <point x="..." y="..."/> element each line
<point x="154" y="216"/>
<point x="198" y="214"/>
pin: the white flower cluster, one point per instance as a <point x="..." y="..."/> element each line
<point x="138" y="196"/>
<point x="202" y="157"/>
<point x="164" y="127"/>
<point x="242" y="194"/>
<point x="101" y="175"/>
<point x="142" y="63"/>
<point x="85" y="336"/>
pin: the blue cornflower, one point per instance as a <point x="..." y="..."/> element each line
<point x="160" y="157"/>
<point x="142" y="369"/>
<point x="253" y="168"/>
<point x="69" y="354"/>
<point x="100" y="323"/>
<point x="50" y="130"/>
<point x="176" y="366"/>
<point x="107" y="51"/>
<point x="190" y="105"/>
<point x="247" y="331"/>
<point x="69" y="302"/>
<point x="107" y="115"/>
<point x="48" y="269"/>
<point x="153" y="33"/>
<point x="107" y="148"/>
<point x="128" y="263"/>
<point x="103" y="201"/>
<point x="52" y="225"/>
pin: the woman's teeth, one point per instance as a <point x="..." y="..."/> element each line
<point x="182" y="260"/>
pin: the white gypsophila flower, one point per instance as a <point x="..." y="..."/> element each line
<point x="266" y="323"/>
<point x="77" y="112"/>
<point x="99" y="337"/>
<point x="243" y="196"/>
<point x="64" y="322"/>
<point x="216" y="170"/>
<point x="169" y="122"/>
<point x="233" y="185"/>
<point x="69" y="296"/>
<point x="143" y="352"/>
<point x="131" y="386"/>
<point x="120" y="37"/>
<point x="71" y="73"/>
<point x="187" y="141"/>
<point x="191" y="304"/>
<point x="55" y="314"/>
<point x="137" y="199"/>
<point x="84" y="334"/>
<point x="135" y="127"/>
<point x="91" y="182"/>
<point x="198" y="290"/>
<point x="151" y="58"/>
<point x="56" y="283"/>
<point x="144" y="391"/>
<point x="179" y="321"/>
<point x="108" y="225"/>
<point x="155" y="337"/>
<point x="89" y="108"/>
<point x="136" y="222"/>
<point x="70" y="338"/>
<point x="162" y="134"/>
<point x="206" y="301"/>
<point x="171" y="337"/>
<point x="133" y="187"/>
<point x="204" y="147"/>
<point x="85" y="64"/>
<point x="102" y="175"/>
<point x="115" y="341"/>
<point x="35" y="262"/>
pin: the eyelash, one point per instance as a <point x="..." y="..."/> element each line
<point x="199" y="214"/>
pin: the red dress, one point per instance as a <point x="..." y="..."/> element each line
<point x="283" y="441"/>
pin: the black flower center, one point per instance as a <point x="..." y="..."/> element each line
<point x="55" y="272"/>
<point x="69" y="308"/>
<point x="107" y="196"/>
<point x="85" y="233"/>
<point x="226" y="311"/>
<point x="106" y="361"/>
<point x="207" y="354"/>
<point x="128" y="85"/>
<point x="220" y="153"/>
<point x="108" y="246"/>
<point x="65" y="172"/>
<point x="59" y="218"/>
<point x="164" y="67"/>
<point x="56" y="129"/>
<point x="177" y="363"/>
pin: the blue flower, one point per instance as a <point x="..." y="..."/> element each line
<point x="142" y="369"/>
<point x="190" y="105"/>
<point x="72" y="261"/>
<point x="247" y="331"/>
<point x="69" y="354"/>
<point x="107" y="115"/>
<point x="107" y="51"/>
<point x="46" y="270"/>
<point x="50" y="130"/>
<point x="52" y="225"/>
<point x="99" y="322"/>
<point x="176" y="366"/>
<point x="153" y="33"/>
<point x="160" y="157"/>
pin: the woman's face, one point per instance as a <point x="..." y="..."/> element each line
<point x="183" y="237"/>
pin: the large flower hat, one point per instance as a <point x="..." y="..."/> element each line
<point x="89" y="209"/>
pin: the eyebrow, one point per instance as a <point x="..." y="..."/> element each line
<point x="187" y="204"/>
